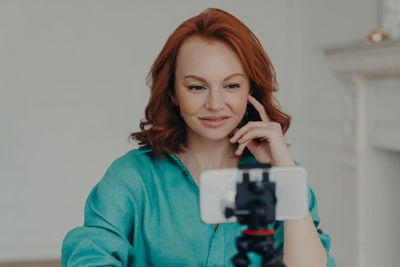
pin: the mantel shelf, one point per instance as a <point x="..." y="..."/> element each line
<point x="372" y="60"/>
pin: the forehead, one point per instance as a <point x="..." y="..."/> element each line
<point x="207" y="57"/>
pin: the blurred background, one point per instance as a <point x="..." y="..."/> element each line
<point x="72" y="89"/>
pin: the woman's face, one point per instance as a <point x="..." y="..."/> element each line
<point x="211" y="88"/>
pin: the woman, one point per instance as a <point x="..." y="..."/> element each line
<point x="206" y="83"/>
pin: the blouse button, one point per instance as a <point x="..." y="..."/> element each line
<point x="185" y="173"/>
<point x="320" y="231"/>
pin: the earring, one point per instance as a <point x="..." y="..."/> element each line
<point x="173" y="101"/>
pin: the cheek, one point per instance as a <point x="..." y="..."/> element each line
<point x="190" y="105"/>
<point x="239" y="104"/>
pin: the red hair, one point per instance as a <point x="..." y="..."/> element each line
<point x="163" y="129"/>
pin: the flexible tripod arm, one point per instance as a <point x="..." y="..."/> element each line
<point x="255" y="203"/>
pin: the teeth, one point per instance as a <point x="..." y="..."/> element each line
<point x="216" y="119"/>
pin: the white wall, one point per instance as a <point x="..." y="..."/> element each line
<point x="319" y="113"/>
<point x="72" y="81"/>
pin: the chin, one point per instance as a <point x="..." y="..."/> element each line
<point x="216" y="135"/>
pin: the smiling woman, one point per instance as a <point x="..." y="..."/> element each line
<point x="234" y="49"/>
<point x="212" y="102"/>
<point x="145" y="211"/>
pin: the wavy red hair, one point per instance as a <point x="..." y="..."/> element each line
<point x="163" y="129"/>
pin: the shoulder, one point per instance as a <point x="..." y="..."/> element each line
<point x="133" y="160"/>
<point x="130" y="168"/>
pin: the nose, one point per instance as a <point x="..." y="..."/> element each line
<point x="215" y="100"/>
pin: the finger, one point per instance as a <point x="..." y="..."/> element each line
<point x="264" y="131"/>
<point x="252" y="146"/>
<point x="262" y="134"/>
<point x="244" y="129"/>
<point x="241" y="148"/>
<point x="238" y="133"/>
<point x="259" y="107"/>
<point x="233" y="133"/>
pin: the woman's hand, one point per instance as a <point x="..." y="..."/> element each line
<point x="272" y="149"/>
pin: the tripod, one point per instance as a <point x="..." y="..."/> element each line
<point x="255" y="207"/>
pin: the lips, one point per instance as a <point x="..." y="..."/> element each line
<point x="214" y="121"/>
<point x="214" y="118"/>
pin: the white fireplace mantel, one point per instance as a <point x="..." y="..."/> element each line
<point x="371" y="153"/>
<point x="360" y="67"/>
<point x="379" y="59"/>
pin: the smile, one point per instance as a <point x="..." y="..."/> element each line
<point x="213" y="121"/>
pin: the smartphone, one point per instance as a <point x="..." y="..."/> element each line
<point x="218" y="191"/>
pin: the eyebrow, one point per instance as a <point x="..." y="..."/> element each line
<point x="204" y="80"/>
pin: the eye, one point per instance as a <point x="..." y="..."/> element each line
<point x="196" y="87"/>
<point x="232" y="86"/>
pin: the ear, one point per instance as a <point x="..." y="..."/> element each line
<point x="174" y="102"/>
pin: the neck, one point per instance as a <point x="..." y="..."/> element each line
<point x="209" y="154"/>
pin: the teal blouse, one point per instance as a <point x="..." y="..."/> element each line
<point x="145" y="212"/>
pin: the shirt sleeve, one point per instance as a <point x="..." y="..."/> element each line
<point x="313" y="208"/>
<point x="105" y="239"/>
<point x="325" y="238"/>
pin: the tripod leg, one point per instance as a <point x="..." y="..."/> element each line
<point x="272" y="259"/>
<point x="241" y="259"/>
<point x="265" y="248"/>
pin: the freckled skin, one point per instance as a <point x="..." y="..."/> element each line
<point x="213" y="61"/>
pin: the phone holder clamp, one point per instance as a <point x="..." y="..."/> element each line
<point x="255" y="203"/>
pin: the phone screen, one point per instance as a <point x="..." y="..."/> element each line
<point x="218" y="191"/>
